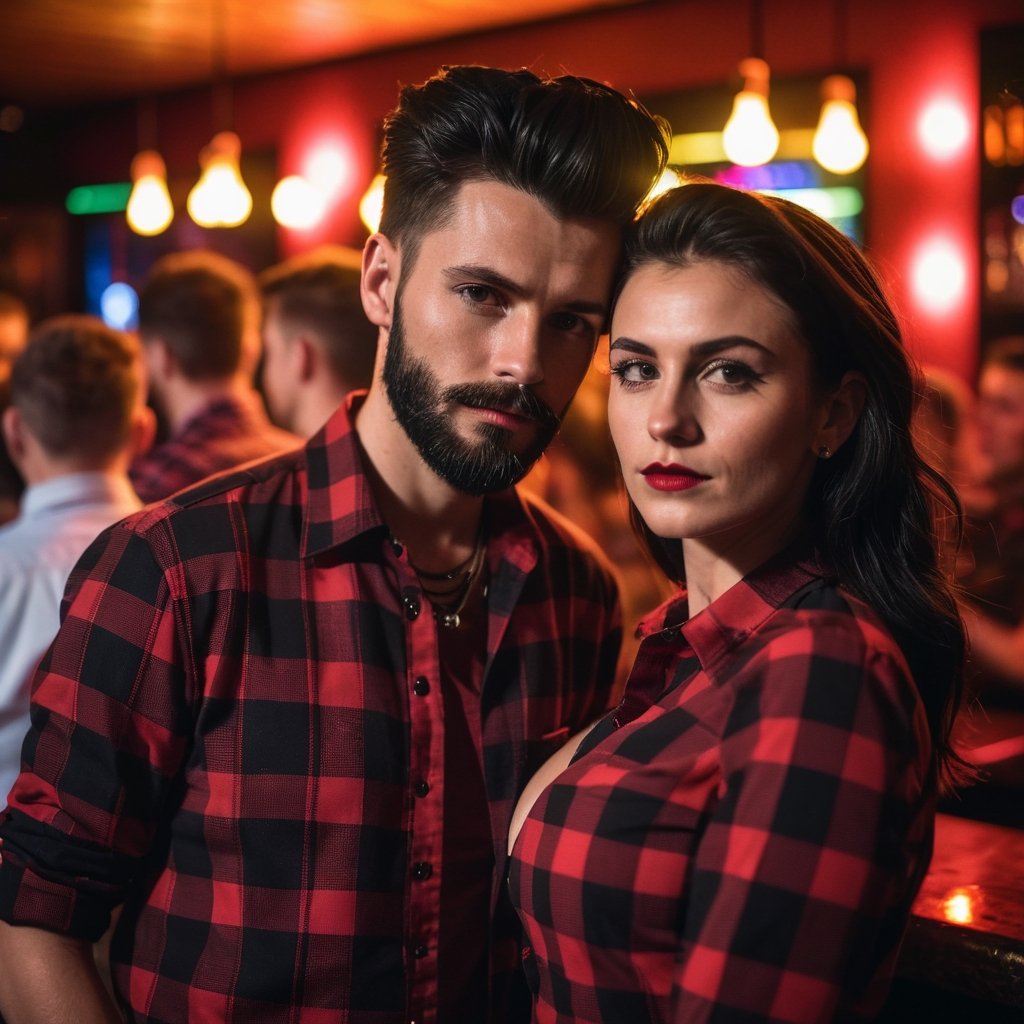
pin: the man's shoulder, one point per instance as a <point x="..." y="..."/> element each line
<point x="270" y="486"/>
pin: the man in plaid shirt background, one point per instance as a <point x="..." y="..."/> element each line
<point x="289" y="711"/>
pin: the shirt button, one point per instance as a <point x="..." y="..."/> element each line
<point x="422" y="788"/>
<point x="421" y="871"/>
<point x="421" y="687"/>
<point x="412" y="608"/>
<point x="420" y="952"/>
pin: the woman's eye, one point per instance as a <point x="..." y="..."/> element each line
<point x="635" y="371"/>
<point x="730" y="373"/>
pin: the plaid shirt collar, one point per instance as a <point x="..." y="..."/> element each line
<point x="341" y="509"/>
<point x="741" y="611"/>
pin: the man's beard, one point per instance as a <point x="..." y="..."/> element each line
<point x="424" y="412"/>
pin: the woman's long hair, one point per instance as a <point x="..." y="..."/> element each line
<point x="873" y="507"/>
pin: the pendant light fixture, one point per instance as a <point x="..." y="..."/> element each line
<point x="750" y="137"/>
<point x="220" y="197"/>
<point x="839" y="144"/>
<point x="149" y="210"/>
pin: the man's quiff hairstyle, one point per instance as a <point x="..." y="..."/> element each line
<point x="76" y="385"/>
<point x="579" y="147"/>
<point x="202" y="305"/>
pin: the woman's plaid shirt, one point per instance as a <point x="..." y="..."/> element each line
<point x="741" y="840"/>
<point x="239" y="729"/>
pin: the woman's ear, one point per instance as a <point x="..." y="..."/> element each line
<point x="842" y="410"/>
<point x="379" y="279"/>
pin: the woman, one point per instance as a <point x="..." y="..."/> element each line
<point x="742" y="837"/>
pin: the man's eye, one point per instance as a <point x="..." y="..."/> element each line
<point x="478" y="293"/>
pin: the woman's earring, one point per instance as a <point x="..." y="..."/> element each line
<point x="824" y="452"/>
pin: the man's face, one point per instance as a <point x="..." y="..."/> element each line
<point x="492" y="331"/>
<point x="1000" y="415"/>
<point x="279" y="375"/>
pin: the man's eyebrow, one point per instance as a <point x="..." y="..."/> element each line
<point x="490" y="276"/>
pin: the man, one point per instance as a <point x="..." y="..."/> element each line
<point x="994" y="582"/>
<point x="317" y="342"/>
<point x="76" y="418"/>
<point x="199" y="325"/>
<point x="337" y="669"/>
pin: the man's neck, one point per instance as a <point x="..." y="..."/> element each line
<point x="438" y="524"/>
<point x="182" y="399"/>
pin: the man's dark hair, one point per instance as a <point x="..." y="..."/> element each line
<point x="319" y="292"/>
<point x="580" y="147"/>
<point x="201" y="304"/>
<point x="75" y="386"/>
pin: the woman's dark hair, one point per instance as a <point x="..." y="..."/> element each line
<point x="580" y="147"/>
<point x="872" y="507"/>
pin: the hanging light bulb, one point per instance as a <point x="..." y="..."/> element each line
<point x="840" y="145"/>
<point x="372" y="203"/>
<point x="750" y="137"/>
<point x="149" y="208"/>
<point x="297" y="203"/>
<point x="219" y="198"/>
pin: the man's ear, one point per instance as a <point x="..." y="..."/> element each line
<point x="160" y="361"/>
<point x="379" y="279"/>
<point x="307" y="356"/>
<point x="14" y="435"/>
<point x="143" y="431"/>
<point x="842" y="410"/>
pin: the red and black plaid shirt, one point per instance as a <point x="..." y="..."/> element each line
<point x="741" y="840"/>
<point x="228" y="432"/>
<point x="240" y="728"/>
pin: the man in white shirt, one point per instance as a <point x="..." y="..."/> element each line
<point x="77" y="417"/>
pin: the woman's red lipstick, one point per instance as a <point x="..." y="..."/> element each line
<point x="672" y="477"/>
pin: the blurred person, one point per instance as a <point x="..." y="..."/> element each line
<point x="318" y="344"/>
<point x="743" y="836"/>
<point x="944" y="434"/>
<point x="14" y="323"/>
<point x="309" y="692"/>
<point x="77" y="416"/>
<point x="199" y="325"/>
<point x="992" y="579"/>
<point x="12" y="486"/>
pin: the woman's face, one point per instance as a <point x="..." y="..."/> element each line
<point x="712" y="409"/>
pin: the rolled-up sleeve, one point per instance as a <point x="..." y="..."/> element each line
<point x="108" y="735"/>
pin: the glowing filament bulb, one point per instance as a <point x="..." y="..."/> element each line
<point x="750" y="137"/>
<point x="149" y="209"/>
<point x="840" y="145"/>
<point x="220" y="198"/>
<point x="372" y="203"/>
<point x="296" y="203"/>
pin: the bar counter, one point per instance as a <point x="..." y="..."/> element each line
<point x="963" y="956"/>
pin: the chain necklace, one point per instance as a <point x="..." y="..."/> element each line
<point x="448" y="601"/>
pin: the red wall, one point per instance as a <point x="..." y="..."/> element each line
<point x="908" y="48"/>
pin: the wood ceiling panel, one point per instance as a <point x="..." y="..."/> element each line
<point x="62" y="51"/>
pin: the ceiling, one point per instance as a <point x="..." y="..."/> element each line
<point x="57" y="52"/>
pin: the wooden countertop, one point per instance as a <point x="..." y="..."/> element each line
<point x="966" y="933"/>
